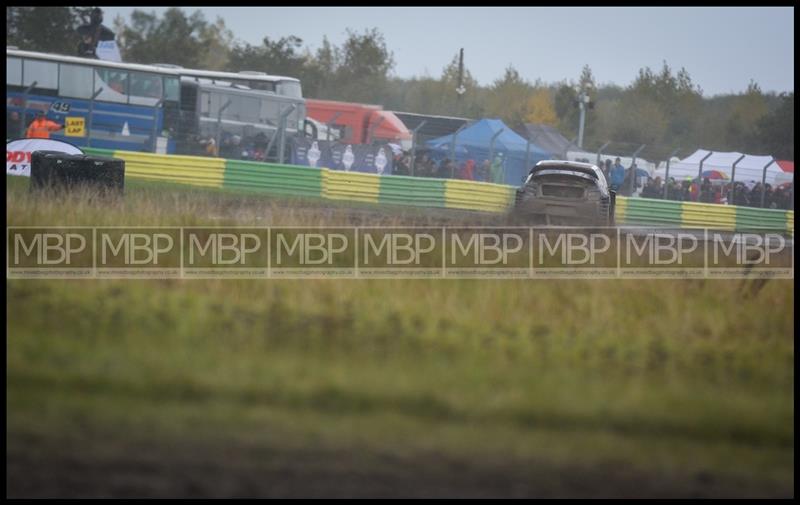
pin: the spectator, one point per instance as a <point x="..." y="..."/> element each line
<point x="673" y="191"/>
<point x="629" y="183"/>
<point x="686" y="191"/>
<point x="658" y="188"/>
<point x="706" y="193"/>
<point x="741" y="196"/>
<point x="468" y="170"/>
<point x="41" y="127"/>
<point x="606" y="169"/>
<point x="617" y="175"/>
<point x="209" y="146"/>
<point x="484" y="171"/>
<point x="443" y="171"/>
<point x="769" y="202"/>
<point x="755" y="195"/>
<point x="497" y="170"/>
<point x="13" y="124"/>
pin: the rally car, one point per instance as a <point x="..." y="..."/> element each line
<point x="565" y="193"/>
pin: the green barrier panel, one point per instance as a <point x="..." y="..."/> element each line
<point x="748" y="218"/>
<point x="93" y="151"/>
<point x="650" y="211"/>
<point x="287" y="180"/>
<point x="416" y="191"/>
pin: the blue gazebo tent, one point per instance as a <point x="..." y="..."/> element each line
<point x="473" y="142"/>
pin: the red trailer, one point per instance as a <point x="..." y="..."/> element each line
<point x="359" y="123"/>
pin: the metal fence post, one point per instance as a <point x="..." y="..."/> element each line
<point x="666" y="174"/>
<point x="24" y="118"/>
<point x="91" y="116"/>
<point x="282" y="145"/>
<point x="155" y="123"/>
<point x="528" y="150"/>
<point x="733" y="180"/>
<point x="764" y="182"/>
<point x="453" y="142"/>
<point x="219" y="123"/>
<point x="414" y="145"/>
<point x="700" y="172"/>
<point x="600" y="151"/>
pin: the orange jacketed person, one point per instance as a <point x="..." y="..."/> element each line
<point x="41" y="127"/>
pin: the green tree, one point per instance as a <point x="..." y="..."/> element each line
<point x="278" y="57"/>
<point x="775" y="131"/>
<point x="363" y="75"/>
<point x="46" y="29"/>
<point x="507" y="98"/>
<point x="189" y="41"/>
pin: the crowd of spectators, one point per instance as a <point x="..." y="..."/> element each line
<point x="741" y="194"/>
<point x="469" y="170"/>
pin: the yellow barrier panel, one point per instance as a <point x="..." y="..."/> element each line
<point x="470" y="195"/>
<point x="790" y="221"/>
<point x="355" y="186"/>
<point x="193" y="170"/>
<point x="708" y="215"/>
<point x="620" y="208"/>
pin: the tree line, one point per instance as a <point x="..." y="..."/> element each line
<point x="663" y="107"/>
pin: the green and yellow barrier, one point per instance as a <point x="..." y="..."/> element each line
<point x="291" y="180"/>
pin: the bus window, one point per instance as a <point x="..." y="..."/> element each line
<point x="290" y="88"/>
<point x="75" y="81"/>
<point x="145" y="89"/>
<point x="43" y="73"/>
<point x="261" y="85"/>
<point x="249" y="109"/>
<point x="13" y="72"/>
<point x="270" y="112"/>
<point x="205" y="104"/>
<point x="172" y="88"/>
<point x="114" y="83"/>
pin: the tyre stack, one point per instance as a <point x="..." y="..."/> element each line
<point x="59" y="171"/>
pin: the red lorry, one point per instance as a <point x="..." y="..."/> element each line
<point x="359" y="123"/>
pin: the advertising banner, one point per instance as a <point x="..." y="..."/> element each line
<point x="346" y="157"/>
<point x="18" y="153"/>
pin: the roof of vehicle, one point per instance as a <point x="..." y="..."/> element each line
<point x="569" y="165"/>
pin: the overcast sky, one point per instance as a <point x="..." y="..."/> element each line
<point x="721" y="47"/>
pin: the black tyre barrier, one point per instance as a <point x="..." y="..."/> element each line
<point x="56" y="170"/>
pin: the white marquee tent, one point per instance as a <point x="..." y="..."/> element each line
<point x="750" y="168"/>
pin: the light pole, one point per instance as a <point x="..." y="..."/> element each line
<point x="583" y="102"/>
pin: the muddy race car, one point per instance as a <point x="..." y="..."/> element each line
<point x="565" y="193"/>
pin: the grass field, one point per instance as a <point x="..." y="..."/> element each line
<point x="386" y="388"/>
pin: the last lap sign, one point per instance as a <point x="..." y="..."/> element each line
<point x="75" y="127"/>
